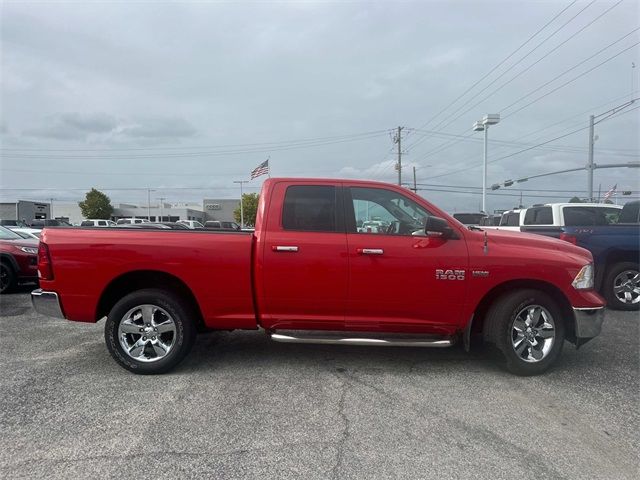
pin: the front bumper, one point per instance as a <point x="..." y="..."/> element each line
<point x="46" y="303"/>
<point x="588" y="323"/>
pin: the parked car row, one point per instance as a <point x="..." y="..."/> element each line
<point x="18" y="260"/>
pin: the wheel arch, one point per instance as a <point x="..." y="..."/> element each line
<point x="8" y="259"/>
<point x="141" y="279"/>
<point x="617" y="256"/>
<point x="481" y="310"/>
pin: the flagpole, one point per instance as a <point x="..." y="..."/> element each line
<point x="269" y="167"/>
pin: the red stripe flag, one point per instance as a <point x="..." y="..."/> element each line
<point x="611" y="192"/>
<point x="262" y="169"/>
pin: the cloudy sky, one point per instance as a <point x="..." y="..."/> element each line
<point x="186" y="97"/>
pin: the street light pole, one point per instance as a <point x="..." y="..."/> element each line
<point x="241" y="201"/>
<point x="590" y="165"/>
<point x="162" y="199"/>
<point x="483" y="126"/>
<point x="484" y="171"/>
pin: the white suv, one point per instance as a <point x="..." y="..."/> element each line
<point x="97" y="223"/>
<point x="131" y="221"/>
<point x="192" y="224"/>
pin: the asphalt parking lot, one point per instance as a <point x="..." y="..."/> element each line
<point x="241" y="406"/>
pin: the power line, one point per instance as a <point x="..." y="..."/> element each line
<point x="535" y="63"/>
<point x="505" y="194"/>
<point x="517" y="188"/>
<point x="448" y="120"/>
<point x="567" y="71"/>
<point x="210" y="147"/>
<point x="449" y="144"/>
<point x="534" y="146"/>
<point x="446" y="145"/>
<point x="561" y="148"/>
<point x="194" y="154"/>
<point x="572" y="80"/>
<point x="498" y="65"/>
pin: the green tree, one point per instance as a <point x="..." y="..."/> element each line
<point x="575" y="200"/>
<point x="250" y="207"/>
<point x="96" y="205"/>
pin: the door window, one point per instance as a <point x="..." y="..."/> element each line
<point x="381" y="211"/>
<point x="310" y="208"/>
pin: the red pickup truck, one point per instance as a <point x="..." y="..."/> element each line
<point x="310" y="273"/>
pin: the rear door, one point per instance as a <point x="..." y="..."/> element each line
<point x="304" y="267"/>
<point x="400" y="279"/>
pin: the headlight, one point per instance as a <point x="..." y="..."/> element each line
<point x="584" y="278"/>
<point x="30" y="250"/>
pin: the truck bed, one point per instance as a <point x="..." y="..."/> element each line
<point x="212" y="265"/>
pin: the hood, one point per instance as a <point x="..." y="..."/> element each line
<point x="532" y="240"/>
<point x="23" y="242"/>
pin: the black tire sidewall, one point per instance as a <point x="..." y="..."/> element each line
<point x="505" y="311"/>
<point x="185" y="331"/>
<point x="609" y="294"/>
<point x="11" y="277"/>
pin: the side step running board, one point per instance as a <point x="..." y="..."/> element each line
<point x="340" y="338"/>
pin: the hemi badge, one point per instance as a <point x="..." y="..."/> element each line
<point x="479" y="273"/>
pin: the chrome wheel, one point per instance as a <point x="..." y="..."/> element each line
<point x="626" y="287"/>
<point x="533" y="333"/>
<point x="147" y="333"/>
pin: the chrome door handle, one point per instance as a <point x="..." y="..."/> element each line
<point x="370" y="251"/>
<point x="284" y="248"/>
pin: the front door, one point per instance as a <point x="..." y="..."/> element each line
<point x="304" y="269"/>
<point x="400" y="279"/>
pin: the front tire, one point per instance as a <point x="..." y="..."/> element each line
<point x="621" y="286"/>
<point x="7" y="278"/>
<point x="149" y="331"/>
<point x="527" y="327"/>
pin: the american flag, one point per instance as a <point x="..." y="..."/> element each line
<point x="611" y="192"/>
<point x="261" y="169"/>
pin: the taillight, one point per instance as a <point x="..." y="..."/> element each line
<point x="45" y="269"/>
<point x="569" y="238"/>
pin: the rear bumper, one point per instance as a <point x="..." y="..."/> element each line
<point x="588" y="323"/>
<point x="46" y="303"/>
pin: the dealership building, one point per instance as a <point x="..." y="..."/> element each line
<point x="209" y="209"/>
<point x="24" y="210"/>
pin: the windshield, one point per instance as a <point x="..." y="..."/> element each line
<point x="6" y="234"/>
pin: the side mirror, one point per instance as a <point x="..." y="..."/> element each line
<point x="437" y="227"/>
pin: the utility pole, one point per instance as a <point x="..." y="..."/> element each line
<point x="398" y="139"/>
<point x="149" y="204"/>
<point x="241" y="202"/>
<point x="592" y="138"/>
<point x="162" y="199"/>
<point x="415" y="185"/>
<point x="590" y="165"/>
<point x="51" y="207"/>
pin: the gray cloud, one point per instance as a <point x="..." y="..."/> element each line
<point x="73" y="126"/>
<point x="107" y="128"/>
<point x="182" y="74"/>
<point x="163" y="128"/>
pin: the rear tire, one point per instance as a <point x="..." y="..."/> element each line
<point x="8" y="278"/>
<point x="527" y="328"/>
<point x="150" y="331"/>
<point x="621" y="286"/>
